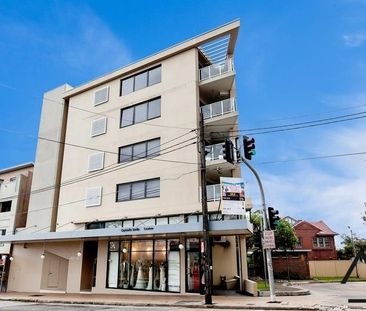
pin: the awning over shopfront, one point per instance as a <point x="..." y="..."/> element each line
<point x="227" y="227"/>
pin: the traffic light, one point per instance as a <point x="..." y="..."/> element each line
<point x="249" y="147"/>
<point x="273" y="218"/>
<point x="228" y="150"/>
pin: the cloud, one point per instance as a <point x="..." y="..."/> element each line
<point x="332" y="190"/>
<point x="354" y="40"/>
<point x="78" y="40"/>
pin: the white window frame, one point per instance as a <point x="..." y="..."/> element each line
<point x="91" y="127"/>
<point x="101" y="164"/>
<point x="102" y="102"/>
<point x="100" y="196"/>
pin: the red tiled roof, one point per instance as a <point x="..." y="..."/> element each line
<point x="324" y="229"/>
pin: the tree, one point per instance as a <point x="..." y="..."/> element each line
<point x="347" y="251"/>
<point x="286" y="239"/>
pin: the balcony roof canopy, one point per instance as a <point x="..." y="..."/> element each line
<point x="220" y="40"/>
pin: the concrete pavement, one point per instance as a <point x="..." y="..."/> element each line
<point x="327" y="296"/>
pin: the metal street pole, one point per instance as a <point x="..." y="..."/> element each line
<point x="205" y="227"/>
<point x="353" y="247"/>
<point x="266" y="226"/>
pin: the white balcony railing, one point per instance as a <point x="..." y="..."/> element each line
<point x="213" y="192"/>
<point x="215" y="70"/>
<point x="214" y="152"/>
<point x="219" y="108"/>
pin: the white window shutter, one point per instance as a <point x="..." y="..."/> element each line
<point x="96" y="161"/>
<point x="99" y="126"/>
<point x="93" y="196"/>
<point x="101" y="96"/>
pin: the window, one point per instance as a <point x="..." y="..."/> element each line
<point x="96" y="161"/>
<point x="101" y="96"/>
<point x="141" y="81"/>
<point x="3" y="231"/>
<point x="321" y="242"/>
<point x="5" y="206"/>
<point x="141" y="112"/>
<point x="138" y="190"/>
<point x="99" y="127"/>
<point x="141" y="150"/>
<point x="93" y="197"/>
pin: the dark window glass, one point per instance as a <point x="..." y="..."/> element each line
<point x="127" y="117"/>
<point x="139" y="151"/>
<point x="153" y="147"/>
<point x="140" y="113"/>
<point x="124" y="192"/>
<point x="141" y="81"/>
<point x="95" y="225"/>
<point x="127" y="86"/>
<point x="138" y="190"/>
<point x="5" y="206"/>
<point x="153" y="188"/>
<point x="125" y="154"/>
<point x="154" y="108"/>
<point x="155" y="76"/>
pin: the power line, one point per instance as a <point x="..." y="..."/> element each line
<point x="315" y="158"/>
<point x="106" y="171"/>
<point x="299" y="123"/>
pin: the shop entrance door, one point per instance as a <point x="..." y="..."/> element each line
<point x="193" y="266"/>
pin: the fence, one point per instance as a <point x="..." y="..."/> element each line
<point x="335" y="268"/>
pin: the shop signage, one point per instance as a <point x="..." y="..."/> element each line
<point x="269" y="239"/>
<point x="138" y="229"/>
<point x="232" y="196"/>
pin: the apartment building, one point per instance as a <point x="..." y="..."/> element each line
<point x="116" y="197"/>
<point x="15" y="185"/>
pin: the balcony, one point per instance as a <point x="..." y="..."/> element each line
<point x="213" y="193"/>
<point x="221" y="116"/>
<point x="216" y="78"/>
<point x="216" y="166"/>
<point x="214" y="152"/>
<point x="216" y="70"/>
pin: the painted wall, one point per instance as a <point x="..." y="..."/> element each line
<point x="179" y="191"/>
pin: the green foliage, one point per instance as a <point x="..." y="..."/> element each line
<point x="285" y="236"/>
<point x="347" y="251"/>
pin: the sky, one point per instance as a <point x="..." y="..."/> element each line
<point x="295" y="61"/>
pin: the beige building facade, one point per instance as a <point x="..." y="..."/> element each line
<point x="15" y="185"/>
<point x="116" y="198"/>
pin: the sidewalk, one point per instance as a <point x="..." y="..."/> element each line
<point x="171" y="300"/>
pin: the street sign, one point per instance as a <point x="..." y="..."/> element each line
<point x="268" y="240"/>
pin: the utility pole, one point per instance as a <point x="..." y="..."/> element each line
<point x="205" y="228"/>
<point x="266" y="227"/>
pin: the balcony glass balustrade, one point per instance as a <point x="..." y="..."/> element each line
<point x="219" y="108"/>
<point x="214" y="152"/>
<point x="217" y="69"/>
<point x="213" y="193"/>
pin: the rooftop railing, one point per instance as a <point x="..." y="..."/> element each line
<point x="217" y="69"/>
<point x="219" y="108"/>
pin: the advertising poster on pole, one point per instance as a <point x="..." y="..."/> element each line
<point x="232" y="196"/>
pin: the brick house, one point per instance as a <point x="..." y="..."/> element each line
<point x="316" y="242"/>
<point x="316" y="237"/>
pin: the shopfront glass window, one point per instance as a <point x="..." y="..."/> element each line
<point x="124" y="265"/>
<point x="113" y="264"/>
<point x="193" y="265"/>
<point x="173" y="266"/>
<point x="142" y="265"/>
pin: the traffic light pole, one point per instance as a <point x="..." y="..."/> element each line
<point x="266" y="227"/>
<point x="205" y="228"/>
